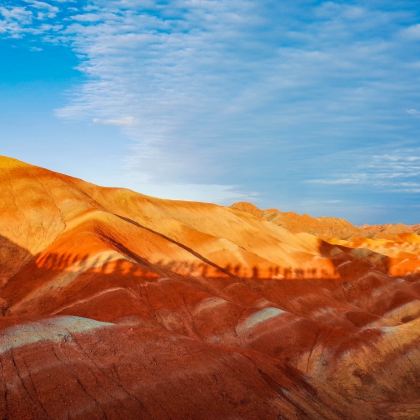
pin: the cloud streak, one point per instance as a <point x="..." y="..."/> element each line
<point x="397" y="171"/>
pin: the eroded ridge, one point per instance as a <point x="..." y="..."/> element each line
<point x="118" y="305"/>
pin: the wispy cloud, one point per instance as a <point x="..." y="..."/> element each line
<point x="119" y="122"/>
<point x="396" y="171"/>
<point x="32" y="18"/>
<point x="175" y="70"/>
<point x="43" y="9"/>
<point x="414" y="112"/>
<point x="14" y="19"/>
<point x="195" y="73"/>
<point x="412" y="32"/>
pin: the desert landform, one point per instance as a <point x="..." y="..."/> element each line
<point x="118" y="305"/>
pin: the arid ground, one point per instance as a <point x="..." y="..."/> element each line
<point x="118" y="305"/>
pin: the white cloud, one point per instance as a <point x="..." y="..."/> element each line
<point x="412" y="32"/>
<point x="46" y="10"/>
<point x="36" y="49"/>
<point x="396" y="171"/>
<point x="20" y="14"/>
<point x="352" y="180"/>
<point x="13" y="21"/>
<point x="333" y="10"/>
<point x="121" y="122"/>
<point x="86" y="17"/>
<point x="34" y="18"/>
<point x="414" y="112"/>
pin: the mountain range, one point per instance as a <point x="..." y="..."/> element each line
<point x="115" y="304"/>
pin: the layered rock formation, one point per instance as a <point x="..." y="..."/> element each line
<point x="120" y="305"/>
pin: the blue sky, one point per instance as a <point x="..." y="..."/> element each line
<point x="309" y="106"/>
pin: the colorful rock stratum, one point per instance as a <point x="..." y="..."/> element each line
<point x="118" y="305"/>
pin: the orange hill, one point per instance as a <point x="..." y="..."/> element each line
<point x="119" y="305"/>
<point x="325" y="227"/>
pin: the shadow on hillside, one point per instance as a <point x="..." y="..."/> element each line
<point x="50" y="274"/>
<point x="346" y="263"/>
<point x="12" y="258"/>
<point x="134" y="266"/>
<point x="354" y="262"/>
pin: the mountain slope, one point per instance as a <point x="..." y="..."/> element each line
<point x="324" y="227"/>
<point x="120" y="305"/>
